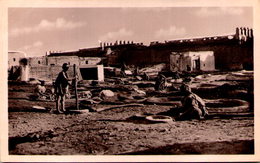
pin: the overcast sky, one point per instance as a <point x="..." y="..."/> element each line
<point x="37" y="30"/>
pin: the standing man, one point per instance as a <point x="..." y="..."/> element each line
<point x="62" y="88"/>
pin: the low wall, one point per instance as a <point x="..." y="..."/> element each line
<point x="47" y="73"/>
<point x="50" y="73"/>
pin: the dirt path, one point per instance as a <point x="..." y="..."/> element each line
<point x="112" y="132"/>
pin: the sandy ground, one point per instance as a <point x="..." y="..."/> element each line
<point x="110" y="132"/>
<point x="115" y="132"/>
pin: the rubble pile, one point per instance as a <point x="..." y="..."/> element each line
<point x="129" y="90"/>
<point x="135" y="89"/>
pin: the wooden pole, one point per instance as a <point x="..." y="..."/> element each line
<point x="75" y="86"/>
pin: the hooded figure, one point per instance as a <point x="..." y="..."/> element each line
<point x="40" y="89"/>
<point x="160" y="82"/>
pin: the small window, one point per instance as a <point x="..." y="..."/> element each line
<point x="177" y="61"/>
<point x="86" y="62"/>
<point x="14" y="59"/>
<point x="39" y="62"/>
<point x="204" y="65"/>
<point x="52" y="64"/>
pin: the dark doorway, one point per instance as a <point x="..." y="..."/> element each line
<point x="89" y="73"/>
<point x="197" y="64"/>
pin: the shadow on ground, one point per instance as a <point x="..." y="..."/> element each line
<point x="224" y="147"/>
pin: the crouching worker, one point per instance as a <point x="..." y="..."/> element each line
<point x="160" y="82"/>
<point x="62" y="88"/>
<point x="40" y="90"/>
<point x="193" y="107"/>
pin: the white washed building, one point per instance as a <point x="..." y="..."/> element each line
<point x="192" y="61"/>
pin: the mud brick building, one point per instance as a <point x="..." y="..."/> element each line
<point x="14" y="58"/>
<point x="232" y="52"/>
<point x="110" y="54"/>
<point x="192" y="61"/>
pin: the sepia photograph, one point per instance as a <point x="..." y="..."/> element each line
<point x="130" y="81"/>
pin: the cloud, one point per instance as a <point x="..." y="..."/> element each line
<point x="34" y="45"/>
<point x="171" y="32"/>
<point x="37" y="44"/>
<point x="213" y="11"/>
<point x="117" y="35"/>
<point x="45" y="25"/>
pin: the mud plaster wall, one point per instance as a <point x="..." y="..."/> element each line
<point x="179" y="62"/>
<point x="36" y="61"/>
<point x="47" y="73"/>
<point x="14" y="58"/>
<point x="50" y="73"/>
<point x="208" y="64"/>
<point x="63" y="59"/>
<point x="206" y="58"/>
<point x="89" y="60"/>
<point x="229" y="54"/>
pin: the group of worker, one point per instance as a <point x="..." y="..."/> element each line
<point x="193" y="107"/>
